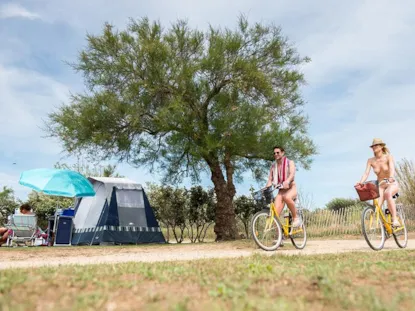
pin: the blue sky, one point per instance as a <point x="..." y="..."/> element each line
<point x="361" y="81"/>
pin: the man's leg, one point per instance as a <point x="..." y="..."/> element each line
<point x="279" y="203"/>
<point x="288" y="198"/>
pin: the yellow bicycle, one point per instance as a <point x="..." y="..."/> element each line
<point x="267" y="228"/>
<point x="377" y="226"/>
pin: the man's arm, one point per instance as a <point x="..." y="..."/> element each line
<point x="292" y="172"/>
<point x="269" y="182"/>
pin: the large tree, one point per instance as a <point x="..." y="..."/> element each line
<point x="186" y="102"/>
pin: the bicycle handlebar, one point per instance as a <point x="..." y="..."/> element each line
<point x="275" y="187"/>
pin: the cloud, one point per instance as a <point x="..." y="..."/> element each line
<point x="360" y="80"/>
<point x="26" y="98"/>
<point x="14" y="10"/>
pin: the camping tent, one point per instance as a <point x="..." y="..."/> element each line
<point x="119" y="213"/>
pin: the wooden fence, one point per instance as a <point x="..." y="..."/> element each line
<point x="322" y="223"/>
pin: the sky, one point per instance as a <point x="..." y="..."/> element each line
<point x="360" y="81"/>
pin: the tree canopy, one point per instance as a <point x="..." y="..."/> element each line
<point x="187" y="101"/>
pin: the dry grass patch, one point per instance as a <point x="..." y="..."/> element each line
<point x="352" y="281"/>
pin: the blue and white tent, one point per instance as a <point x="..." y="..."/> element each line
<point x="119" y="213"/>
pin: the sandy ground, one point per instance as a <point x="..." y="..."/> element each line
<point x="55" y="256"/>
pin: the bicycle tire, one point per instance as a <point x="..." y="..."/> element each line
<point x="405" y="232"/>
<point x="368" y="210"/>
<point x="293" y="239"/>
<point x="263" y="214"/>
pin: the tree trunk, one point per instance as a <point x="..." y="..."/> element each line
<point x="225" y="222"/>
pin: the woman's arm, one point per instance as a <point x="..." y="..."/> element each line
<point x="366" y="174"/>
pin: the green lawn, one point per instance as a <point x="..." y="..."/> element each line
<point x="352" y="281"/>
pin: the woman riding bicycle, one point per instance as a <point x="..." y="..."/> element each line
<point x="384" y="167"/>
<point x="282" y="172"/>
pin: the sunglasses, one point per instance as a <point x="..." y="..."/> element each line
<point x="374" y="145"/>
<point x="278" y="152"/>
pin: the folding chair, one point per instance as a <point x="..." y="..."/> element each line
<point x="22" y="229"/>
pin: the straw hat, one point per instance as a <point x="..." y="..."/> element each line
<point x="377" y="141"/>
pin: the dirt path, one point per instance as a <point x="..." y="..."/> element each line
<point x="55" y="256"/>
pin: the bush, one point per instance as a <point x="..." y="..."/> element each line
<point x="201" y="212"/>
<point x="340" y="203"/>
<point x="8" y="203"/>
<point x="180" y="209"/>
<point x="45" y="206"/>
<point x="405" y="174"/>
<point x="245" y="208"/>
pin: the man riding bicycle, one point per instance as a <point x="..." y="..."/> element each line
<point x="282" y="172"/>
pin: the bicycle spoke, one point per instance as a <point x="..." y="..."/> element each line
<point x="373" y="229"/>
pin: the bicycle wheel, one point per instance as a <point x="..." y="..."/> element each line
<point x="299" y="237"/>
<point x="373" y="229"/>
<point x="401" y="234"/>
<point x="266" y="231"/>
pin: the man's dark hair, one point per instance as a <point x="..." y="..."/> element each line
<point x="26" y="207"/>
<point x="278" y="147"/>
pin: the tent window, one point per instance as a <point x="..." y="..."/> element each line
<point x="130" y="198"/>
<point x="131" y="211"/>
<point x="135" y="217"/>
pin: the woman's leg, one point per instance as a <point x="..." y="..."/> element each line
<point x="4" y="233"/>
<point x="381" y="198"/>
<point x="390" y="191"/>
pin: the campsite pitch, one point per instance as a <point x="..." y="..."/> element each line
<point x="343" y="281"/>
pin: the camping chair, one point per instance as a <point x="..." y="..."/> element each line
<point x="22" y="229"/>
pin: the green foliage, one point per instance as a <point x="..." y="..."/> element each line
<point x="90" y="171"/>
<point x="201" y="212"/>
<point x="188" y="102"/>
<point x="182" y="209"/>
<point x="341" y="203"/>
<point x="8" y="203"/>
<point x="46" y="205"/>
<point x="170" y="206"/>
<point x="245" y="208"/>
<point x="405" y="174"/>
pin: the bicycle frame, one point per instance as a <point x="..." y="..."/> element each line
<point x="386" y="220"/>
<point x="285" y="226"/>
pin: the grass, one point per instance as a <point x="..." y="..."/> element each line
<point x="351" y="281"/>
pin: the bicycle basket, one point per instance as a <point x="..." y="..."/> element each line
<point x="258" y="197"/>
<point x="263" y="197"/>
<point x="268" y="195"/>
<point x="368" y="190"/>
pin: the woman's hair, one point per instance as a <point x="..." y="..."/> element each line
<point x="278" y="147"/>
<point x="385" y="150"/>
<point x="26" y="207"/>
